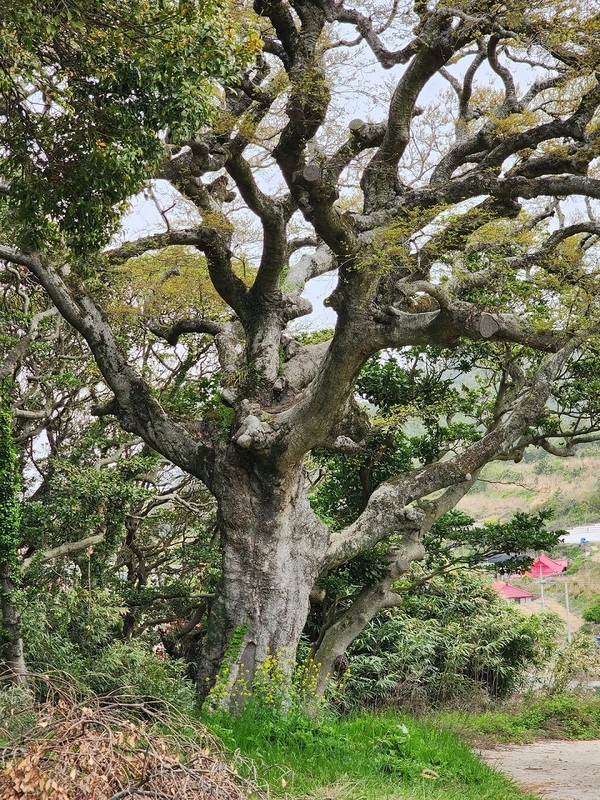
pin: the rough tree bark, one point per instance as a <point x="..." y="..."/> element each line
<point x="273" y="548"/>
<point x="287" y="399"/>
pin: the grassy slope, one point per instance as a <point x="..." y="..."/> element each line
<point x="369" y="757"/>
<point x="542" y="717"/>
<point x="390" y="756"/>
<point x="571" y="486"/>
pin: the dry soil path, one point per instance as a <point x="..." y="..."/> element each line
<point x="553" y="770"/>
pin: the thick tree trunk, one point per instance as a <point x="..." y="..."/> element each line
<point x="273" y="549"/>
<point x="11" y="645"/>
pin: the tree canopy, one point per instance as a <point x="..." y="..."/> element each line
<point x="446" y="210"/>
<point x="85" y="90"/>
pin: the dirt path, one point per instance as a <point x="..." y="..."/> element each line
<point x="553" y="770"/>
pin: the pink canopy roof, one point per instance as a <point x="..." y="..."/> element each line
<point x="544" y="565"/>
<point x="510" y="592"/>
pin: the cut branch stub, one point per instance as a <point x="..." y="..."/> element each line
<point x="311" y="172"/>
<point x="357" y="124"/>
<point x="488" y="325"/>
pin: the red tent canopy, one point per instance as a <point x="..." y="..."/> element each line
<point x="510" y="592"/>
<point x="544" y="565"/>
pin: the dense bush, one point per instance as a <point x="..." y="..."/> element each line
<point x="576" y="662"/>
<point x="451" y="639"/>
<point x="592" y="613"/>
<point x="76" y="631"/>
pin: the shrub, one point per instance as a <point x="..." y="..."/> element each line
<point x="580" y="659"/>
<point x="570" y="716"/>
<point x="592" y="613"/>
<point x="76" y="631"/>
<point x="452" y="639"/>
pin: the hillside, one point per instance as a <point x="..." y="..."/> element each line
<point x="570" y="486"/>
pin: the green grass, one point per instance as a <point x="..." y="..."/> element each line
<point x="560" y="717"/>
<point x="383" y="756"/>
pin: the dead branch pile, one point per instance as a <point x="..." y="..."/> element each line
<point x="112" y="748"/>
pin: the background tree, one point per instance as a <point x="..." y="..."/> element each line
<point x="107" y="529"/>
<point x="468" y="240"/>
<point x="11" y="644"/>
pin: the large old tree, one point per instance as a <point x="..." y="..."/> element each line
<point x="445" y="210"/>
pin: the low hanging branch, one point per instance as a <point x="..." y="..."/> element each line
<point x="63" y="550"/>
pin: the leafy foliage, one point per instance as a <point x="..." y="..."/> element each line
<point x="130" y="70"/>
<point x="580" y="395"/>
<point x="76" y="631"/>
<point x="455" y="540"/>
<point x="450" y="639"/>
<point x="163" y="287"/>
<point x="576" y="660"/>
<point x="10" y="511"/>
<point x="348" y="480"/>
<point x="150" y="572"/>
<point x="592" y="613"/>
<point x="78" y="502"/>
<point x="417" y="391"/>
<point x="408" y="386"/>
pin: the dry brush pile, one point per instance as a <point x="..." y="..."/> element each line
<point x="70" y="748"/>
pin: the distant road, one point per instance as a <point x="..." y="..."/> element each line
<point x="589" y="532"/>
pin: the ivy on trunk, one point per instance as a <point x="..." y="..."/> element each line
<point x="11" y="645"/>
